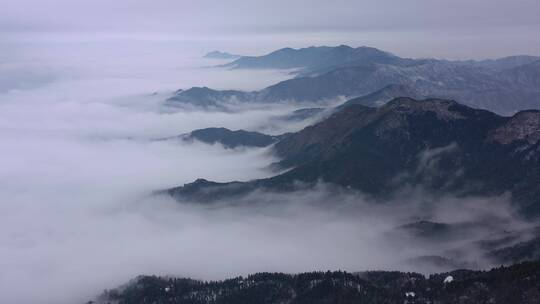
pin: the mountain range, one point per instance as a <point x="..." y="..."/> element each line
<point x="439" y="145"/>
<point x="504" y="86"/>
<point x="314" y="60"/>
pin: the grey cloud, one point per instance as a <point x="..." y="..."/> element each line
<point x="417" y="28"/>
<point x="300" y="14"/>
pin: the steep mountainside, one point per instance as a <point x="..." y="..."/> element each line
<point x="438" y="144"/>
<point x="516" y="284"/>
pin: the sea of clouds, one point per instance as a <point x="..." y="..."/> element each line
<point x="78" y="127"/>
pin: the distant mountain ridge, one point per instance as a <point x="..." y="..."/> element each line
<point x="504" y="86"/>
<point x="230" y="139"/>
<point x="320" y="59"/>
<point x="505" y="63"/>
<point x="221" y="55"/>
<point x="316" y="59"/>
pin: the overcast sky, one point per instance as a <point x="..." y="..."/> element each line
<point x="416" y="28"/>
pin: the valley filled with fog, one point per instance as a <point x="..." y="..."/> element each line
<point x="79" y="124"/>
<point x="83" y="125"/>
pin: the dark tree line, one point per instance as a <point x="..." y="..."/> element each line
<point x="519" y="283"/>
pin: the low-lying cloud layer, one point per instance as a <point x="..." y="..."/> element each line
<point x="79" y="156"/>
<point x="80" y="159"/>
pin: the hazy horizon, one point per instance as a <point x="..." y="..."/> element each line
<point x="420" y="28"/>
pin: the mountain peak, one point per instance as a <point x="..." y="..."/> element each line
<point x="284" y="50"/>
<point x="221" y="55"/>
<point x="195" y="90"/>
